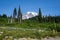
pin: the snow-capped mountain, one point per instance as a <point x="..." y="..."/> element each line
<point x="29" y="15"/>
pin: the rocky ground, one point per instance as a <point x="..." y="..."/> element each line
<point x="50" y="38"/>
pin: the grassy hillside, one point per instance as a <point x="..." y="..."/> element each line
<point x="43" y="29"/>
<point x="30" y="24"/>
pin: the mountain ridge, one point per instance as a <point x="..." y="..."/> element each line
<point x="29" y="15"/>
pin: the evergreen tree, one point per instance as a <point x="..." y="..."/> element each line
<point x="14" y="14"/>
<point x="44" y="19"/>
<point x="4" y="16"/>
<point x="40" y="16"/>
<point x="49" y="18"/>
<point x="19" y="16"/>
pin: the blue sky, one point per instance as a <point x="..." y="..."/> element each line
<point x="51" y="7"/>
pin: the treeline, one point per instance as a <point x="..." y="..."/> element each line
<point x="3" y="19"/>
<point x="3" y="16"/>
<point x="17" y="17"/>
<point x="50" y="19"/>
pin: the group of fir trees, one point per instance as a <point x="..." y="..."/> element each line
<point x="50" y="19"/>
<point x="46" y="18"/>
<point x="17" y="15"/>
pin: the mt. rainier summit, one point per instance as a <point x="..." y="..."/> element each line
<point x="29" y="15"/>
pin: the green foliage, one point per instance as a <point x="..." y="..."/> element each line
<point x="40" y="16"/>
<point x="19" y="15"/>
<point x="55" y="27"/>
<point x="58" y="28"/>
<point x="14" y="13"/>
<point x="4" y="16"/>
